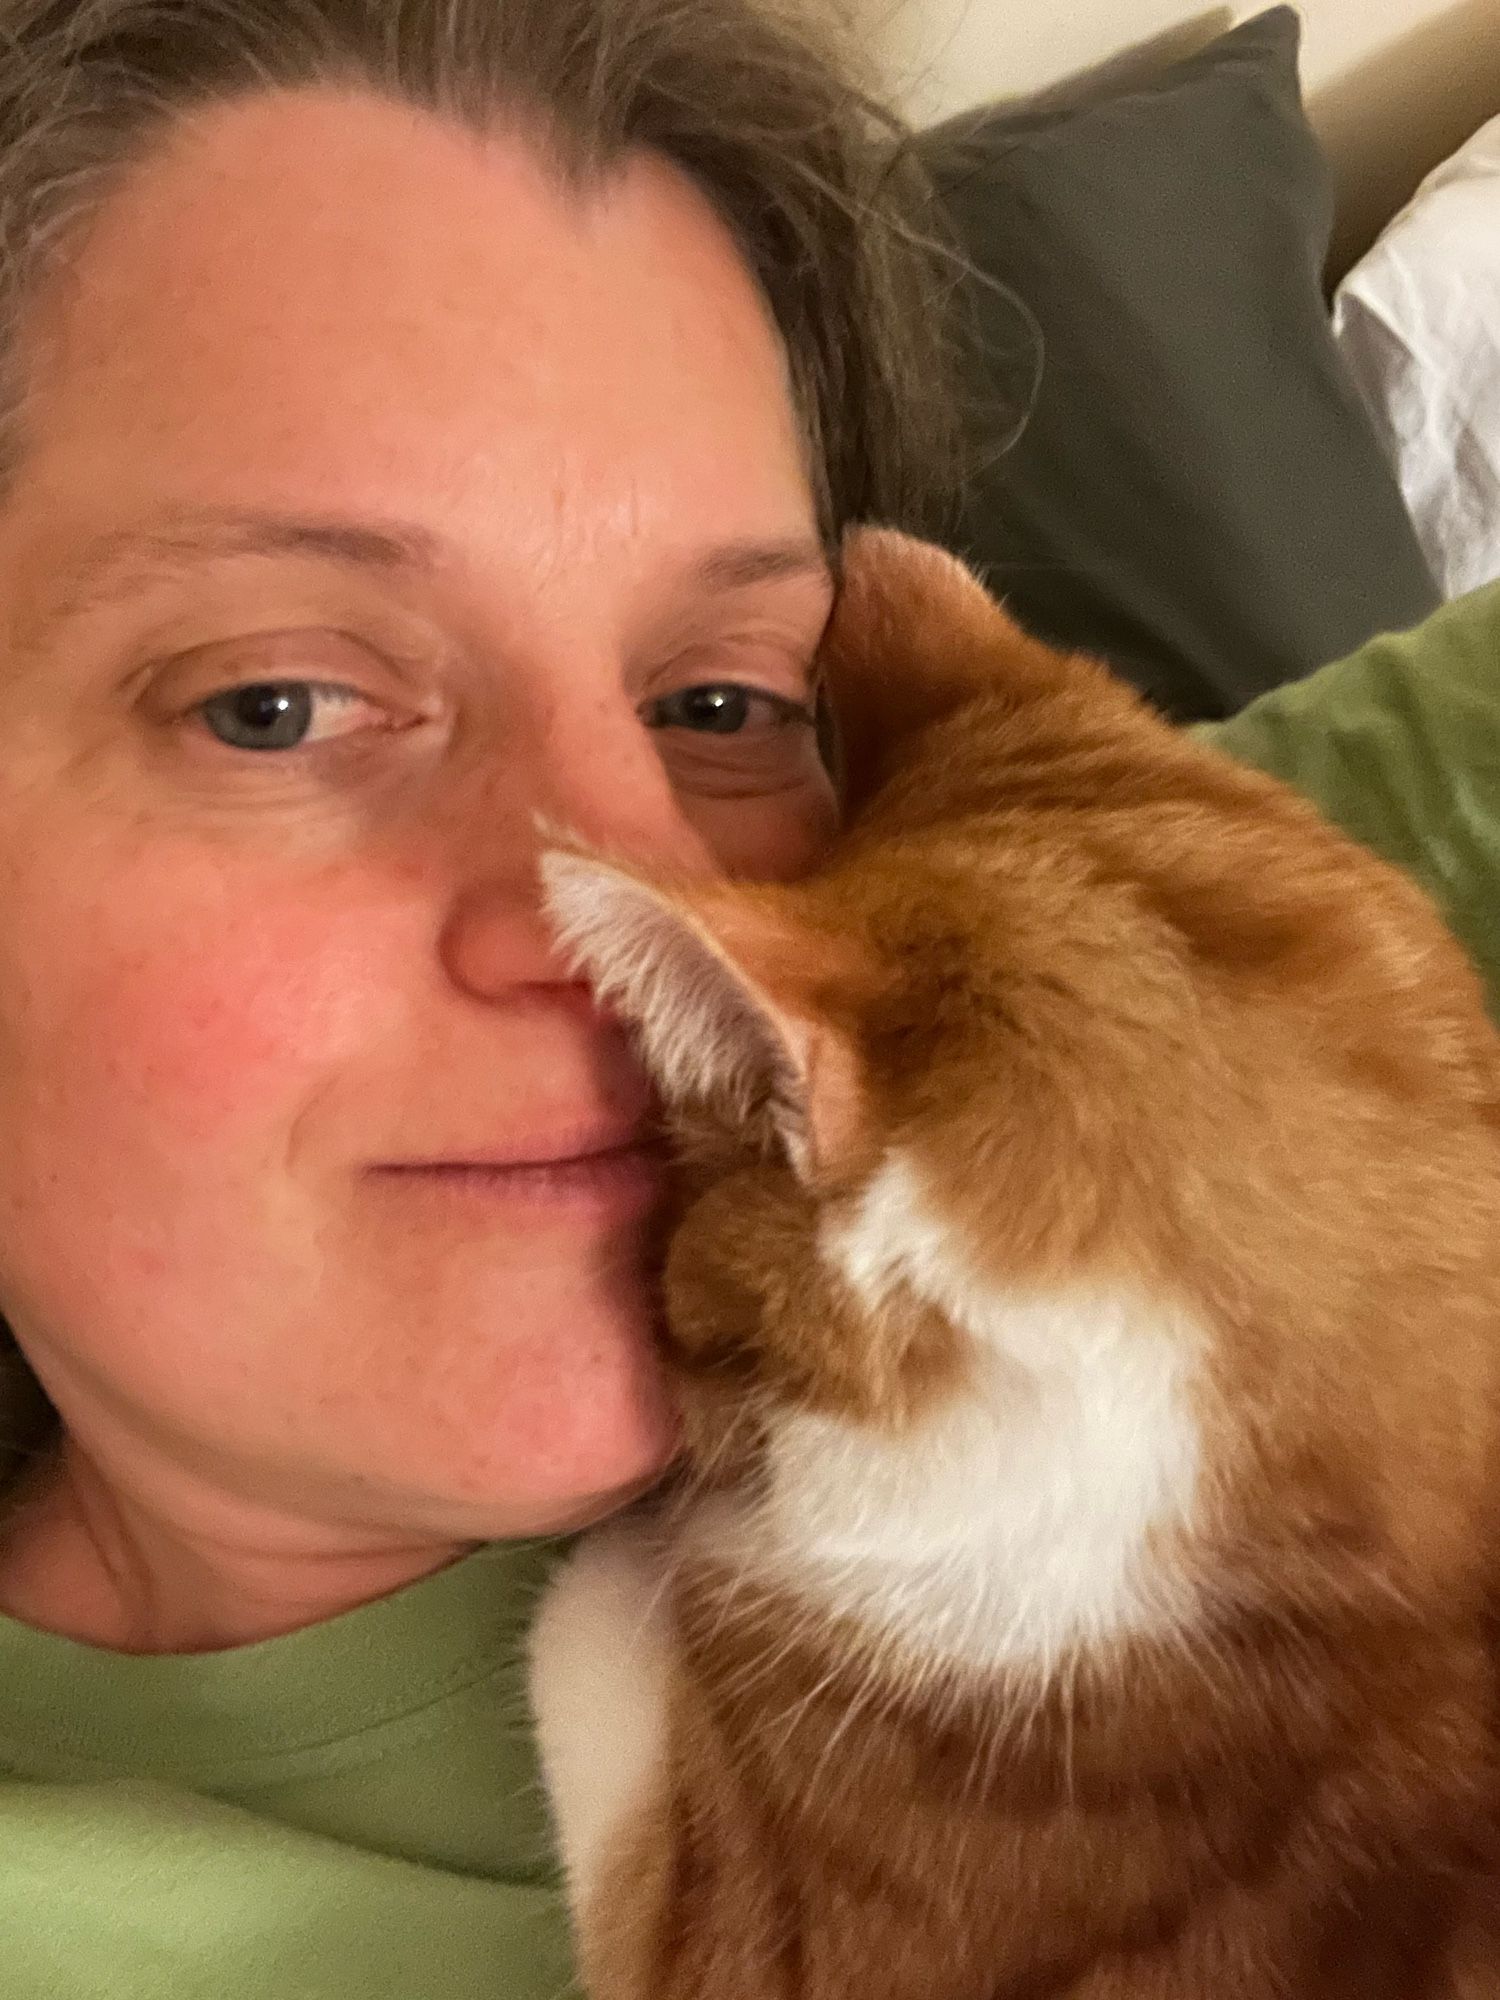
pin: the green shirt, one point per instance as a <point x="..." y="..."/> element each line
<point x="349" y="1813"/>
<point x="353" y="1812"/>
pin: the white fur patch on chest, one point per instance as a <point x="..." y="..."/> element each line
<point x="1017" y="1523"/>
<point x="601" y="1666"/>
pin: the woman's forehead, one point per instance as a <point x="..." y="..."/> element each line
<point x="330" y="306"/>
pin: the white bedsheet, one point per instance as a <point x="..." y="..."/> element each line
<point x="1418" y="322"/>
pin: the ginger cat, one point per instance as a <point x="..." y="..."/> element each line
<point x="1085" y="1306"/>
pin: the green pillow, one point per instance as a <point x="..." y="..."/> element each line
<point x="1199" y="495"/>
<point x="1400" y="746"/>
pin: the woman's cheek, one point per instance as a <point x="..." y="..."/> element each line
<point x="772" y="839"/>
<point x="207" y="1010"/>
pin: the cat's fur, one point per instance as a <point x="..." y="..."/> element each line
<point x="1086" y="1307"/>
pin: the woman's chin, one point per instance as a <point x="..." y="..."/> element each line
<point x="599" y="1506"/>
<point x="601" y="1433"/>
<point x="563" y="1509"/>
<point x="626" y="1465"/>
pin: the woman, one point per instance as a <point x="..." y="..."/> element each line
<point x="424" y="420"/>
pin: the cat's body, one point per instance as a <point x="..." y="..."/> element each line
<point x="1087" y="1306"/>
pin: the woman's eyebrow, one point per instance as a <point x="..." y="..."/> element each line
<point x="122" y="562"/>
<point x="741" y="565"/>
<point x="116" y="564"/>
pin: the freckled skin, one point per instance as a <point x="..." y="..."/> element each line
<point x="230" y="985"/>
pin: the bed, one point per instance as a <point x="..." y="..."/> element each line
<point x="1177" y="457"/>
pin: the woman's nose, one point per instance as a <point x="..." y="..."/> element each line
<point x="607" y="791"/>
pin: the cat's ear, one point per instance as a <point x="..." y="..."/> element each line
<point x="723" y="988"/>
<point x="914" y="637"/>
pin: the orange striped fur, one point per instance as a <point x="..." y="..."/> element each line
<point x="1086" y="1311"/>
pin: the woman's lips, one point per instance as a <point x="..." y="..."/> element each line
<point x="623" y="1179"/>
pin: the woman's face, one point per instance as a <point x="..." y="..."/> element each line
<point x="378" y="497"/>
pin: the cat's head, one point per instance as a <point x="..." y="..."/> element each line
<point x="1074" y="1003"/>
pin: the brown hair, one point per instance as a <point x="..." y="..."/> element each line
<point x="749" y="98"/>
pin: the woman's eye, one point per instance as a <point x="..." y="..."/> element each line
<point x="724" y="708"/>
<point x="284" y="715"/>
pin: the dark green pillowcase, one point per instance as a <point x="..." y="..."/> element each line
<point x="1198" y="495"/>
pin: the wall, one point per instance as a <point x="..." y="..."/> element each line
<point x="1393" y="85"/>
